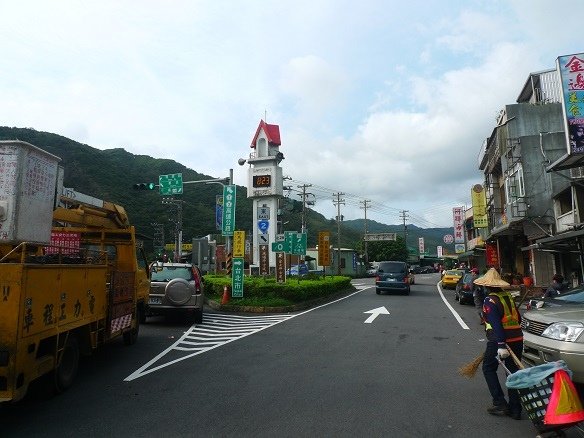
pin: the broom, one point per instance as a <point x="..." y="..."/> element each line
<point x="470" y="369"/>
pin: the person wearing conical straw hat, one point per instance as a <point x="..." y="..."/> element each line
<point x="503" y="327"/>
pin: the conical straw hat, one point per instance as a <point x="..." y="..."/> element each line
<point x="491" y="279"/>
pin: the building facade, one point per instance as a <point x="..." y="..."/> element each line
<point x="523" y="196"/>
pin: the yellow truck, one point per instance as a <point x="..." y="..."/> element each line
<point x="70" y="279"/>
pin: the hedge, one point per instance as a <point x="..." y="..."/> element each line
<point x="292" y="291"/>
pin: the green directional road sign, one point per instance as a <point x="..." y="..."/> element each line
<point x="170" y="184"/>
<point x="228" y="225"/>
<point x="237" y="278"/>
<point x="296" y="242"/>
<point x="281" y="246"/>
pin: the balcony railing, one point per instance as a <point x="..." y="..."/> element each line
<point x="565" y="222"/>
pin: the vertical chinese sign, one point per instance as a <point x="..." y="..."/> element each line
<point x="458" y="214"/>
<point x="491" y="255"/>
<point x="239" y="244"/>
<point x="228" y="210"/>
<point x="479" y="206"/>
<point x="280" y="267"/>
<point x="324" y="248"/>
<point x="571" y="71"/>
<point x="237" y="278"/>
<point x="264" y="253"/>
<point x="421" y="245"/>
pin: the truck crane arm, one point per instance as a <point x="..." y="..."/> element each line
<point x="107" y="215"/>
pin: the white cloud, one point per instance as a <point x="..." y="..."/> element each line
<point x="388" y="101"/>
<point x="315" y="85"/>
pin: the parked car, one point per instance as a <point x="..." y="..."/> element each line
<point x="555" y="331"/>
<point x="176" y="287"/>
<point x="451" y="277"/>
<point x="393" y="276"/>
<point x="464" y="288"/>
<point x="371" y="272"/>
<point x="300" y="269"/>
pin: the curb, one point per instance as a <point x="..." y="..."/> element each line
<point x="279" y="309"/>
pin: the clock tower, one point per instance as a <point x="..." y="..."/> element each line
<point x="264" y="186"/>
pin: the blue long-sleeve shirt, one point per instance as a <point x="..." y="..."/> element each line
<point x="493" y="313"/>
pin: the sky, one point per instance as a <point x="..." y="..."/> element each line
<point x="384" y="101"/>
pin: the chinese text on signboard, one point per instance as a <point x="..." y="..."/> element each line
<point x="458" y="213"/>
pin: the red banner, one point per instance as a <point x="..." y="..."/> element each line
<point x="492" y="258"/>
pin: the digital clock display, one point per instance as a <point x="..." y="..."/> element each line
<point x="262" y="180"/>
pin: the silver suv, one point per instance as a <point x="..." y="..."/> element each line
<point x="176" y="287"/>
<point x="555" y="330"/>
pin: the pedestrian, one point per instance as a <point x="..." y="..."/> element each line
<point x="503" y="329"/>
<point x="478" y="295"/>
<point x="557" y="287"/>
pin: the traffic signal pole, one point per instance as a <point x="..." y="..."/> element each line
<point x="178" y="204"/>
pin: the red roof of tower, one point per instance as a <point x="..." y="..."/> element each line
<point x="272" y="132"/>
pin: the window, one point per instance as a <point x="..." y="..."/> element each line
<point x="167" y="273"/>
<point x="392" y="267"/>
<point x="514" y="184"/>
<point x="564" y="202"/>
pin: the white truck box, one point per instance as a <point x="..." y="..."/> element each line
<point x="28" y="179"/>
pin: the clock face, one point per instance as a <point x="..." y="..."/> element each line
<point x="262" y="180"/>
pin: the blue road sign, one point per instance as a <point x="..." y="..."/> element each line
<point x="263" y="226"/>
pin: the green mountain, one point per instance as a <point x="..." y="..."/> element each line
<point x="110" y="175"/>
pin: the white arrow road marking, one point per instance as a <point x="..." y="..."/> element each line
<point x="375" y="313"/>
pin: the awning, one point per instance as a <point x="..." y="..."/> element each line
<point x="568" y="161"/>
<point x="567" y="241"/>
<point x="513" y="227"/>
<point x="472" y="252"/>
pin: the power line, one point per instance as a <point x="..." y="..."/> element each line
<point x="323" y="193"/>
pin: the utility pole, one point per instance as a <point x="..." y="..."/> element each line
<point x="338" y="202"/>
<point x="404" y="216"/>
<point x="365" y="203"/>
<point x="158" y="236"/>
<point x="178" y="226"/>
<point x="303" y="195"/>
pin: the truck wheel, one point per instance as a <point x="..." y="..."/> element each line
<point x="131" y="336"/>
<point x="66" y="370"/>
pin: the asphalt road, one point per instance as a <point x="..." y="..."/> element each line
<point x="318" y="373"/>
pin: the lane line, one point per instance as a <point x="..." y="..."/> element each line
<point x="454" y="312"/>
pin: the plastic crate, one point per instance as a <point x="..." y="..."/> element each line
<point x="535" y="400"/>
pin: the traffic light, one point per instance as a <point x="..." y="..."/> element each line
<point x="145" y="186"/>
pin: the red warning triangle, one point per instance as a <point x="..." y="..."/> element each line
<point x="564" y="406"/>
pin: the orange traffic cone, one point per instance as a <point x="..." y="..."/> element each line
<point x="225" y="298"/>
<point x="564" y="404"/>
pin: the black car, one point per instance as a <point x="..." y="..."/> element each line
<point x="393" y="276"/>
<point x="464" y="289"/>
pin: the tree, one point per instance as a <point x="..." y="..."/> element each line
<point x="388" y="250"/>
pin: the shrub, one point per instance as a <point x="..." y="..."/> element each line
<point x="271" y="293"/>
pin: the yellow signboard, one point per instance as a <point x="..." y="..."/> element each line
<point x="239" y="244"/>
<point x="479" y="206"/>
<point x="324" y="248"/>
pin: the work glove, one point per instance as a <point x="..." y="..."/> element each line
<point x="503" y="353"/>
